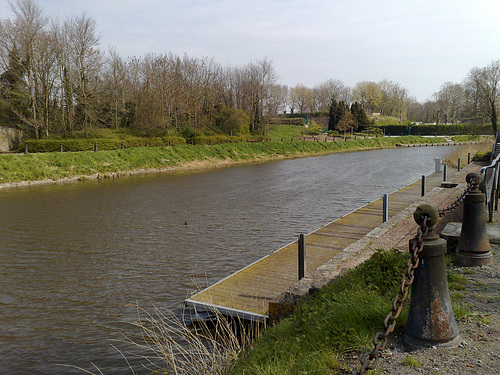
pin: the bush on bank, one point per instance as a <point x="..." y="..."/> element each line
<point x="439" y="129"/>
<point x="88" y="144"/>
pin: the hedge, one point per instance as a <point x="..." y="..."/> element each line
<point x="439" y="129"/>
<point x="220" y="138"/>
<point x="51" y="145"/>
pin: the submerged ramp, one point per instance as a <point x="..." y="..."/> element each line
<point x="246" y="294"/>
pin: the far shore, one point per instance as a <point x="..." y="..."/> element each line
<point x="207" y="158"/>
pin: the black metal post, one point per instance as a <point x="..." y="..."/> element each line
<point x="444" y="173"/>
<point x="423" y="186"/>
<point x="385" y="208"/>
<point x="302" y="256"/>
<point x="468" y="158"/>
<point x="459" y="164"/>
<point x="95" y="147"/>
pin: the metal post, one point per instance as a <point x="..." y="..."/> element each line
<point x="430" y="320"/>
<point x="437" y="165"/>
<point x="25" y="149"/>
<point x="95" y="147"/>
<point x="458" y="164"/>
<point x="474" y="247"/>
<point x="61" y="147"/>
<point x="385" y="208"/>
<point x="468" y="158"/>
<point x="302" y="256"/>
<point x="444" y="172"/>
<point x="423" y="186"/>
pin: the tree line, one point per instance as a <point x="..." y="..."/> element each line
<point x="54" y="79"/>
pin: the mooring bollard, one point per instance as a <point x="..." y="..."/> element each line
<point x="302" y="256"/>
<point x="474" y="247"/>
<point x="437" y="165"/>
<point x="430" y="320"/>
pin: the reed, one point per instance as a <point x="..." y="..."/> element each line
<point x="170" y="346"/>
<point x="462" y="152"/>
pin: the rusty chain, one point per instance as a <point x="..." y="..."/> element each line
<point x="455" y="204"/>
<point x="370" y="360"/>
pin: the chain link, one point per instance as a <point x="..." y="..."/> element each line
<point x="459" y="200"/>
<point x="370" y="360"/>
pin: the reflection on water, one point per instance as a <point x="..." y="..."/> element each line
<point x="76" y="258"/>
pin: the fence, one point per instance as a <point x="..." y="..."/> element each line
<point x="490" y="176"/>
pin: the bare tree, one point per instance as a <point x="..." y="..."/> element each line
<point x="368" y="95"/>
<point x="18" y="39"/>
<point x="485" y="83"/>
<point x="302" y="98"/>
<point x="328" y="90"/>
<point x="449" y="100"/>
<point x="85" y="64"/>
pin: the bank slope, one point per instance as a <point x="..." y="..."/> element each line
<point x="16" y="168"/>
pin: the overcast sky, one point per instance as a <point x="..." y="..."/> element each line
<point x="418" y="43"/>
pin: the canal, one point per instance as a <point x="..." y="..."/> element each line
<point x="77" y="258"/>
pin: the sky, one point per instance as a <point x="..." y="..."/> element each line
<point x="419" y="44"/>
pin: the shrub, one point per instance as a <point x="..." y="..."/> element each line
<point x="439" y="129"/>
<point x="88" y="144"/>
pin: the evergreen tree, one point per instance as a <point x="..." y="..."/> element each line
<point x="360" y="117"/>
<point x="333" y="120"/>
<point x="13" y="93"/>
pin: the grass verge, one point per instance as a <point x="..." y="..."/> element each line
<point x="341" y="317"/>
<point x="56" y="165"/>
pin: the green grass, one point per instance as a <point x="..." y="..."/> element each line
<point x="56" y="165"/>
<point x="466" y="138"/>
<point x="342" y="317"/>
<point x="411" y="362"/>
<point x="279" y="132"/>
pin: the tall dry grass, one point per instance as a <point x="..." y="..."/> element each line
<point x="208" y="347"/>
<point x="169" y="344"/>
<point x="462" y="152"/>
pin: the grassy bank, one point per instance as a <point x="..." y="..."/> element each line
<point x="341" y="317"/>
<point x="56" y="165"/>
<point x="327" y="327"/>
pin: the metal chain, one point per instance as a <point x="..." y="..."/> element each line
<point x="459" y="200"/>
<point x="370" y="360"/>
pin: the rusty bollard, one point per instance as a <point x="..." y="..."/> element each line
<point x="474" y="247"/>
<point x="430" y="321"/>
